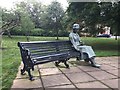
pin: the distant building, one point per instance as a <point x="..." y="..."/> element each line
<point x="106" y="30"/>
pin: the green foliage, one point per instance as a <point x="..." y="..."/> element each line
<point x="38" y="32"/>
<point x="26" y="23"/>
<point x="34" y="16"/>
<point x="104" y="13"/>
<point x="36" y="11"/>
<point x="54" y="21"/>
<point x="54" y="13"/>
<point x="83" y="13"/>
<point x="10" y="19"/>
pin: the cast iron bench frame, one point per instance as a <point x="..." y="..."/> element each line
<point x="38" y="52"/>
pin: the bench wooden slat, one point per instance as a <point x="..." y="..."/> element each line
<point x="46" y="48"/>
<point x="55" y="57"/>
<point x="47" y="45"/>
<point x="50" y="52"/>
<point x="42" y="57"/>
<point x="51" y="49"/>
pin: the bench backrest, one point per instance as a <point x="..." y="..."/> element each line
<point x="44" y="48"/>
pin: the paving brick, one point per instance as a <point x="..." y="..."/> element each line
<point x="94" y="89"/>
<point x="112" y="58"/>
<point x="64" y="86"/>
<point x="52" y="65"/>
<point x="99" y="60"/>
<point x="114" y="65"/>
<point x="89" y="68"/>
<point x="71" y="70"/>
<point x="94" y="84"/>
<point x="72" y="59"/>
<point x="61" y="89"/>
<point x="62" y="65"/>
<point x="79" y="77"/>
<point x="53" y="80"/>
<point x="79" y="63"/>
<point x="47" y="65"/>
<point x="71" y="65"/>
<point x="27" y="88"/>
<point x="107" y="67"/>
<point x="118" y="83"/>
<point x="119" y="73"/>
<point x="50" y="71"/>
<point x="108" y="60"/>
<point x="26" y="83"/>
<point x="119" y="66"/>
<point x="119" y="61"/>
<point x="113" y="83"/>
<point x="114" y="72"/>
<point x="100" y="75"/>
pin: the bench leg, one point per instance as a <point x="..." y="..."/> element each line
<point x="57" y="63"/>
<point x="77" y="58"/>
<point x="87" y="60"/>
<point x="30" y="76"/>
<point x="23" y="70"/>
<point x="65" y="62"/>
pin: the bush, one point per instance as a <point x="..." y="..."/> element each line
<point x="38" y="32"/>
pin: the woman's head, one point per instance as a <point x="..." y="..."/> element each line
<point x="76" y="27"/>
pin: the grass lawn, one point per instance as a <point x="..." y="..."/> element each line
<point x="11" y="55"/>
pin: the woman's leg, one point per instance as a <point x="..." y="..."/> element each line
<point x="92" y="60"/>
<point x="91" y="55"/>
<point x="88" y="50"/>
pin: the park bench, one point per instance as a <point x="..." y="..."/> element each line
<point x="40" y="52"/>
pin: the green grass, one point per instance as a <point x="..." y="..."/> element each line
<point x="0" y="69"/>
<point x="11" y="55"/>
<point x="103" y="46"/>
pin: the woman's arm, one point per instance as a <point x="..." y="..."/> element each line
<point x="71" y="38"/>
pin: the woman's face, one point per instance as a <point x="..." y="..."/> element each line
<point x="75" y="30"/>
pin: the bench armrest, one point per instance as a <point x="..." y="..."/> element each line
<point x="27" y="51"/>
<point x="23" y="48"/>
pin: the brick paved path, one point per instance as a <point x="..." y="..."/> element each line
<point x="79" y="76"/>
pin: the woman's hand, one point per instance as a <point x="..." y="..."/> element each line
<point x="82" y="43"/>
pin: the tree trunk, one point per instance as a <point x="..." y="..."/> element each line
<point x="57" y="29"/>
<point x="57" y="34"/>
<point x="27" y="38"/>
<point x="9" y="35"/>
<point x="116" y="37"/>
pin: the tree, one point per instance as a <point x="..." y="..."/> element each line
<point x="54" y="15"/>
<point x="0" y="26"/>
<point x="36" y="11"/>
<point x="116" y="18"/>
<point x="110" y="13"/>
<point x="10" y="20"/>
<point x="97" y="13"/>
<point x="84" y="12"/>
<point x="26" y="23"/>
